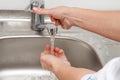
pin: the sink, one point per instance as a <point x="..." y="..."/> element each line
<point x="20" y="54"/>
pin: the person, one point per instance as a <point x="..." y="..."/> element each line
<point x="105" y="23"/>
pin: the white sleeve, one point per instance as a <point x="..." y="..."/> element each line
<point x="111" y="71"/>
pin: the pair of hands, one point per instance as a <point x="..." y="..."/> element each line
<point x="59" y="16"/>
<point x="58" y="62"/>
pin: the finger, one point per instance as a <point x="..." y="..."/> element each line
<point x="65" y="24"/>
<point x="43" y="61"/>
<point x="47" y="49"/>
<point x="57" y="22"/>
<point x="41" y="10"/>
<point x="62" y="24"/>
<point x="52" y="18"/>
<point x="56" y="49"/>
<point x="61" y="52"/>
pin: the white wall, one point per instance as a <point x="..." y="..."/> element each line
<point x="14" y="4"/>
<point x="90" y="4"/>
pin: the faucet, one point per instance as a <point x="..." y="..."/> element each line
<point x="40" y="22"/>
<point x="37" y="21"/>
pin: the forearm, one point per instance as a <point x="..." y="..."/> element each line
<point x="105" y="23"/>
<point x="71" y="73"/>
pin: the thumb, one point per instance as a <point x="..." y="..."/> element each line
<point x="41" y="10"/>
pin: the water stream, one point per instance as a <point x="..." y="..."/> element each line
<point x="52" y="39"/>
<point x="52" y="30"/>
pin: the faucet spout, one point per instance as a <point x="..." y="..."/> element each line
<point x="52" y="29"/>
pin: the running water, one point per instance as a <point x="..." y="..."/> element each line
<point x="52" y="39"/>
<point x="52" y="32"/>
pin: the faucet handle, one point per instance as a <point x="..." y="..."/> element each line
<point x="33" y="3"/>
<point x="37" y="21"/>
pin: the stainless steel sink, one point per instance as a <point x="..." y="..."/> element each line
<point x="21" y="53"/>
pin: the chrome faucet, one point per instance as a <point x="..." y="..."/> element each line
<point x="40" y="22"/>
<point x="37" y="21"/>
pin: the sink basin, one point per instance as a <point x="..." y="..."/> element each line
<point x="20" y="54"/>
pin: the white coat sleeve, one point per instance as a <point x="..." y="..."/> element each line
<point x="111" y="71"/>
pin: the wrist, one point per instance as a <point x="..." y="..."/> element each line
<point x="71" y="73"/>
<point x="62" y="72"/>
<point x="60" y="69"/>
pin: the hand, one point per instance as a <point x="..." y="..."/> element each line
<point x="59" y="64"/>
<point x="54" y="61"/>
<point x="59" y="15"/>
